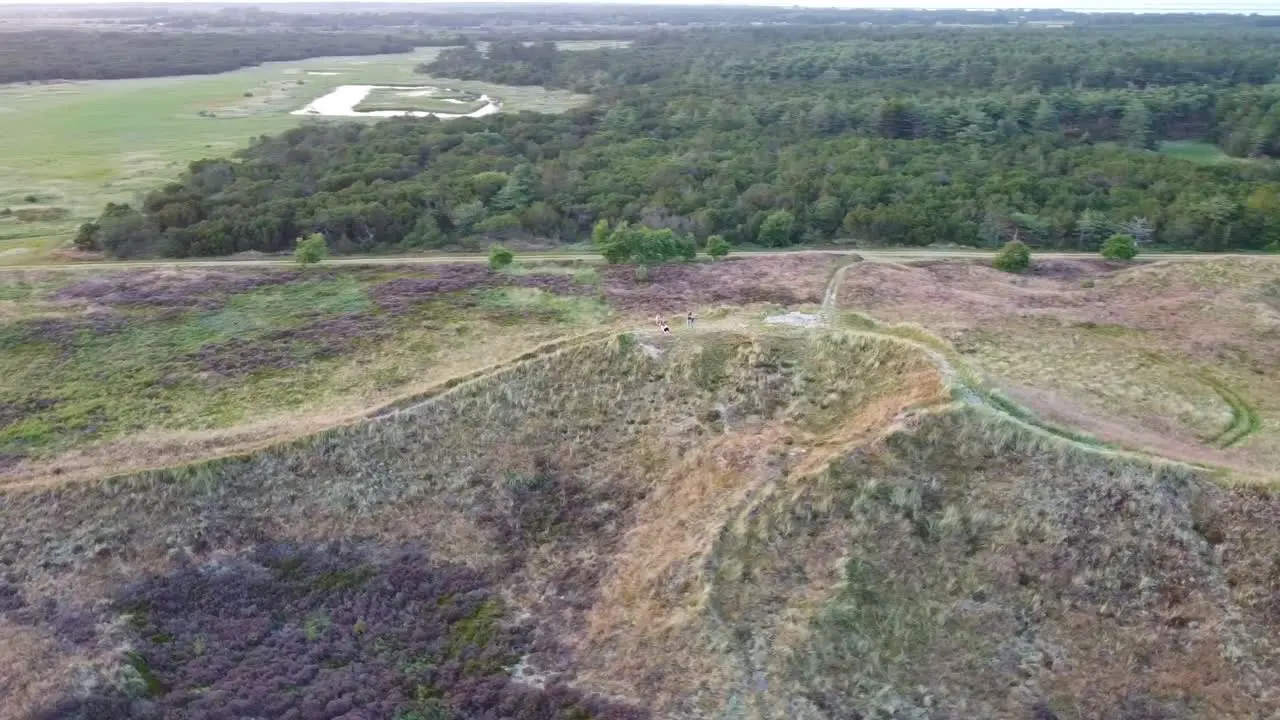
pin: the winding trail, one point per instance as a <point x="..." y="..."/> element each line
<point x="1244" y="417"/>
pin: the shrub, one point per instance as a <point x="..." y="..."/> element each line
<point x="500" y="257"/>
<point x="248" y="94"/>
<point x="31" y="199"/>
<point x="1014" y="257"/>
<point x="503" y="223"/>
<point x="717" y="247"/>
<point x="311" y="250"/>
<point x="777" y="229"/>
<point x="639" y="244"/>
<point x="87" y="237"/>
<point x="1120" y="247"/>
<point x="1273" y="247"/>
<point x="642" y="273"/>
<point x="1086" y="283"/>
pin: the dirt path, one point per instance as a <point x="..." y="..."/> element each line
<point x="887" y="255"/>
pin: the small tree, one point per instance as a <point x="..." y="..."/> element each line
<point x="311" y="250"/>
<point x="776" y="229"/>
<point x="86" y="236"/>
<point x="717" y="247"/>
<point x="499" y="257"/>
<point x="686" y="248"/>
<point x="1120" y="247"/>
<point x="1014" y="257"/>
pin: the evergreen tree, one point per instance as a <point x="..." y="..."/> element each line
<point x="517" y="194"/>
<point x="1091" y="227"/>
<point x="1045" y="118"/>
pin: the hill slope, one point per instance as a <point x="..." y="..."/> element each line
<point x="719" y="524"/>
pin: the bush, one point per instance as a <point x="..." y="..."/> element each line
<point x="642" y="273"/>
<point x="1273" y="247"/>
<point x="717" y="247"/>
<point x="1086" y="283"/>
<point x="777" y="229"/>
<point x="87" y="237"/>
<point x="1120" y="247"/>
<point x="500" y="257"/>
<point x="31" y="199"/>
<point x="311" y="250"/>
<point x="1014" y="257"/>
<point x="639" y="244"/>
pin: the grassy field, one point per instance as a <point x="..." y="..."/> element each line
<point x="77" y="145"/>
<point x="1200" y="152"/>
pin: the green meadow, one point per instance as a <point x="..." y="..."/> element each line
<point x="75" y="146"/>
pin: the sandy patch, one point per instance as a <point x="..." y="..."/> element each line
<point x="795" y="318"/>
<point x="341" y="102"/>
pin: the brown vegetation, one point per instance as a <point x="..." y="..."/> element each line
<point x="1166" y="356"/>
<point x="342" y="328"/>
<point x="798" y="523"/>
<point x="793" y="525"/>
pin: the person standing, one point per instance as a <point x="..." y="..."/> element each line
<point x="688" y="319"/>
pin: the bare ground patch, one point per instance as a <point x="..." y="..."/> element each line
<point x="790" y="279"/>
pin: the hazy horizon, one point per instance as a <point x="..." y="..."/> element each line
<point x="1159" y="6"/>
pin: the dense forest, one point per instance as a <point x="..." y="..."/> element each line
<point x="91" y="55"/>
<point x="780" y="135"/>
<point x="348" y="16"/>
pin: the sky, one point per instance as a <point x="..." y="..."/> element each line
<point x="1267" y="7"/>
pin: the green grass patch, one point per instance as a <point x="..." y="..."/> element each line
<point x="80" y="145"/>
<point x="581" y="274"/>
<point x="516" y="304"/>
<point x="1016" y="411"/>
<point x="73" y="378"/>
<point x="442" y="100"/>
<point x="1244" y="417"/>
<point x="1197" y="152"/>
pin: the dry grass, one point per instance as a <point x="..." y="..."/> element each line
<point x="734" y="524"/>
<point x="654" y="600"/>
<point x="122" y="371"/>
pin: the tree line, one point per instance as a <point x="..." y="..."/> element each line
<point x="102" y="55"/>
<point x="770" y="137"/>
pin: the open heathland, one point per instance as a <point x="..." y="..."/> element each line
<point x="745" y="524"/>
<point x="528" y="485"/>
<point x="1173" y="357"/>
<point x="138" y="367"/>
